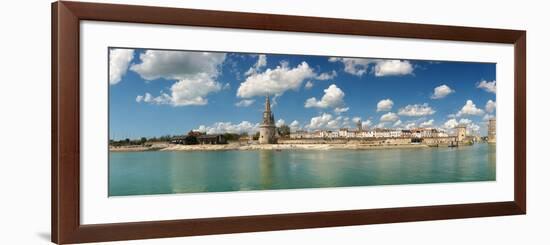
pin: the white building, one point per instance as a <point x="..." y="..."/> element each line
<point x="395" y="133"/>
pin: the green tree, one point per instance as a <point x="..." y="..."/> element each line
<point x="143" y="140"/>
<point x="284" y="131"/>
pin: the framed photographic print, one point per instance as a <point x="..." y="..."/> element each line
<point x="176" y="122"/>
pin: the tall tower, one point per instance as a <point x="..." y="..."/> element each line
<point x="267" y="128"/>
<point x="492" y="131"/>
<point x="460" y="132"/>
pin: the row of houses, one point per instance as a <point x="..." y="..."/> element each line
<point x="373" y="133"/>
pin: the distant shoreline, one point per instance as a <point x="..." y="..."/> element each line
<point x="274" y="147"/>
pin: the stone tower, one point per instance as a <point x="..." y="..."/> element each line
<point x="492" y="131"/>
<point x="460" y="132"/>
<point x="268" y="131"/>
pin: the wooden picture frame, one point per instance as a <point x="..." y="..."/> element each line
<point x="65" y="177"/>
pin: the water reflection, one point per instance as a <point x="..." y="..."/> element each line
<point x="138" y="173"/>
<point x="266" y="169"/>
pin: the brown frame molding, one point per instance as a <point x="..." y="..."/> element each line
<point x="65" y="172"/>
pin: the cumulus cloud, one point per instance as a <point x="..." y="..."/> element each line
<point x="397" y="123"/>
<point x="327" y="75"/>
<point x="228" y="127"/>
<point x="441" y="92"/>
<point x="321" y="121"/>
<point x="194" y="72"/>
<point x="119" y="60"/>
<point x="294" y="126"/>
<point x="410" y="125"/>
<point x="339" y="110"/>
<point x="262" y="61"/>
<point x="392" y="68"/>
<point x="308" y="85"/>
<point x="389" y="117"/>
<point x="451" y="123"/>
<point x="245" y="103"/>
<point x="275" y="81"/>
<point x="487" y="117"/>
<point x="177" y="65"/>
<point x="381" y="67"/>
<point x="366" y="124"/>
<point x="427" y="124"/>
<point x="384" y="105"/>
<point x="334" y="97"/>
<point x="470" y="109"/>
<point x="353" y="66"/>
<point x="489" y="86"/>
<point x="470" y="125"/>
<point x="490" y="106"/>
<point x="280" y="122"/>
<point x="187" y="92"/>
<point x="416" y="110"/>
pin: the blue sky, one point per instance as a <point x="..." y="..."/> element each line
<point x="160" y="92"/>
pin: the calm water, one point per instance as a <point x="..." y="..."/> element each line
<point x="141" y="173"/>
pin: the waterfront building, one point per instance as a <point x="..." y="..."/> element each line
<point x="395" y="133"/>
<point x="367" y="134"/>
<point x="268" y="130"/>
<point x="381" y="133"/>
<point x="406" y="133"/>
<point x="211" y="139"/>
<point x="492" y="131"/>
<point x="343" y="133"/>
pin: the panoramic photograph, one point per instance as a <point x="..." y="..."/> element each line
<point x="186" y="121"/>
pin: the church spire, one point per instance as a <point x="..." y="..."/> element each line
<point x="267" y="104"/>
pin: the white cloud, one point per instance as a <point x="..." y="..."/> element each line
<point x="356" y="119"/>
<point x="427" y="124"/>
<point x="397" y="123"/>
<point x="392" y="68"/>
<point x="487" y="117"/>
<point x="384" y="105"/>
<point x="244" y="103"/>
<point x="262" y="61"/>
<point x="187" y="92"/>
<point x="381" y="67"/>
<point x="195" y="73"/>
<point x="280" y="122"/>
<point x="294" y="126"/>
<point x="321" y="121"/>
<point x="489" y="86"/>
<point x="389" y="117"/>
<point x="470" y="109"/>
<point x="366" y="124"/>
<point x="380" y="125"/>
<point x="353" y="66"/>
<point x="308" y="85"/>
<point x="410" y="125"/>
<point x="339" y="110"/>
<point x="228" y="127"/>
<point x="119" y="60"/>
<point x="416" y="110"/>
<point x="450" y="124"/>
<point x="490" y="106"/>
<point x="275" y="81"/>
<point x="327" y="76"/>
<point x="178" y="65"/>
<point x="465" y="121"/>
<point x="441" y="92"/>
<point x="470" y="125"/>
<point x="334" y="97"/>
